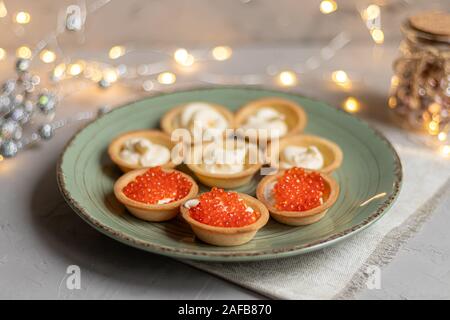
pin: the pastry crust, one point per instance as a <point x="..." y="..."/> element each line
<point x="169" y="122"/>
<point x="331" y="152"/>
<point x="295" y="116"/>
<point x="155" y="136"/>
<point x="151" y="212"/>
<point x="227" y="181"/>
<point x="222" y="236"/>
<point x="298" y="218"/>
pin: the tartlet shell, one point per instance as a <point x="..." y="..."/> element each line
<point x="299" y="218"/>
<point x="169" y="120"/>
<point x="151" y="212"/>
<point x="226" y="181"/>
<point x="295" y="116"/>
<point x="221" y="236"/>
<point x="155" y="136"/>
<point x="331" y="152"/>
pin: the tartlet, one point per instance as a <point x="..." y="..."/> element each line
<point x="232" y="236"/>
<point x="155" y="136"/>
<point x="226" y="180"/>
<point x="294" y="115"/>
<point x="297" y="218"/>
<point x="151" y="212"/>
<point x="171" y="120"/>
<point x="331" y="152"/>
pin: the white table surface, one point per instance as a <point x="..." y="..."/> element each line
<point x="40" y="236"/>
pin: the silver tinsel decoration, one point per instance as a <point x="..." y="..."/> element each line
<point x="46" y="131"/>
<point x="9" y="149"/>
<point x="17" y="108"/>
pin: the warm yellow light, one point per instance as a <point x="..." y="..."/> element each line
<point x="166" y="78"/>
<point x="351" y="105"/>
<point x="2" y="54"/>
<point x="183" y="57"/>
<point x="23" y="17"/>
<point x="287" y="78"/>
<point x="340" y="76"/>
<point x="23" y="52"/>
<point x="3" y="10"/>
<point x="110" y="75"/>
<point x="372" y="12"/>
<point x="392" y="102"/>
<point x="59" y="70"/>
<point x="116" y="52"/>
<point x="222" y="53"/>
<point x="433" y="127"/>
<point x="328" y="6"/>
<point x="442" y="136"/>
<point x="394" y="81"/>
<point x="180" y="55"/>
<point x="377" y="36"/>
<point x="445" y="150"/>
<point x="434" y="107"/>
<point x="75" y="69"/>
<point x="47" y="56"/>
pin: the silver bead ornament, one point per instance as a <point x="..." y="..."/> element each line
<point x="103" y="110"/>
<point x="9" y="86"/>
<point x="8" y="128"/>
<point x="22" y="65"/>
<point x="46" y="103"/>
<point x="46" y="131"/>
<point x="9" y="149"/>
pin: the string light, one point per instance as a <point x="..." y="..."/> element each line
<point x="23" y="52"/>
<point x="287" y="78"/>
<point x="3" y="10"/>
<point x="351" y="105"/>
<point x="341" y="78"/>
<point x="445" y="150"/>
<point x="392" y="102"/>
<point x="442" y="136"/>
<point x="22" y="17"/>
<point x="2" y="54"/>
<point x="433" y="127"/>
<point x="47" y="56"/>
<point x="58" y="72"/>
<point x="377" y="36"/>
<point x="183" y="57"/>
<point x="434" y="107"/>
<point x="372" y="12"/>
<point x="110" y="75"/>
<point x="166" y="78"/>
<point x="116" y="52"/>
<point x="328" y="6"/>
<point x="222" y="53"/>
<point x="75" y="69"/>
<point x="394" y="81"/>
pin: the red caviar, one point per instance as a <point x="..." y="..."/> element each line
<point x="157" y="185"/>
<point x="298" y="190"/>
<point x="220" y="208"/>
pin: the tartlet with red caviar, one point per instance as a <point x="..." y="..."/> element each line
<point x="297" y="196"/>
<point x="154" y="194"/>
<point x="225" y="218"/>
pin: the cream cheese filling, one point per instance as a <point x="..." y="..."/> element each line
<point x="141" y="151"/>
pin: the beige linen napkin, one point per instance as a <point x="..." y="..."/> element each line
<point x="340" y="271"/>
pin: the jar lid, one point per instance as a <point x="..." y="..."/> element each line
<point x="428" y="28"/>
<point x="433" y="22"/>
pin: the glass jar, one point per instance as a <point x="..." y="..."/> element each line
<point x="420" y="87"/>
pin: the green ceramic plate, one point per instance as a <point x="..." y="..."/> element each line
<point x="371" y="170"/>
